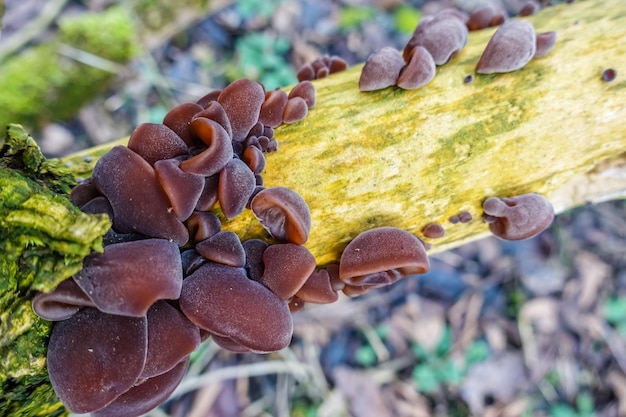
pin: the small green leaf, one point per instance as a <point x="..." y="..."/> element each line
<point x="365" y="356"/>
<point x="425" y="378"/>
<point x="406" y="19"/>
<point x="351" y="17"/>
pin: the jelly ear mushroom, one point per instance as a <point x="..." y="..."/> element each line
<point x="520" y="217"/>
<point x="318" y="288"/>
<point x="224" y="301"/>
<point x="287" y="267"/>
<point x="182" y="188"/>
<point x="306" y="90"/>
<point x="219" y="152"/>
<point x="295" y="110"/>
<point x="236" y="184"/>
<point x="179" y="118"/>
<point x="545" y="42"/>
<point x="139" y="203"/>
<point x="511" y="47"/>
<point x="224" y="248"/>
<point x="283" y="213"/>
<point x="242" y="102"/>
<point x="272" y="108"/>
<point x="419" y="71"/>
<point x="62" y="302"/>
<point x="443" y="36"/>
<point x="129" y="277"/>
<point x="381" y="256"/>
<point x="154" y="142"/>
<point x="95" y="357"/>
<point x="381" y="69"/>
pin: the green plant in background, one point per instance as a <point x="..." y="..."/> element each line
<point x="253" y="8"/>
<point x="584" y="407"/>
<point x="614" y="312"/>
<point x="437" y="367"/>
<point x="353" y="16"/>
<point x="406" y="19"/>
<point x="261" y="57"/>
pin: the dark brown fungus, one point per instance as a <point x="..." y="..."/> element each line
<point x="381" y="69"/>
<point x="95" y="357"/>
<point x="306" y="73"/>
<point x="529" y="8"/>
<point x="208" y="98"/>
<point x="254" y="159"/>
<point x="208" y="197"/>
<point x="283" y="213"/>
<point x="235" y="187"/>
<point x="229" y="344"/>
<point x="322" y="73"/>
<point x="355" y="290"/>
<point x="480" y="18"/>
<point x="419" y="71"/>
<point x="544" y="43"/>
<point x="171" y="338"/>
<point x="296" y="304"/>
<point x="433" y="231"/>
<point x="306" y="90"/>
<point x="337" y="64"/>
<point x="336" y="283"/>
<point x="224" y="301"/>
<point x="191" y="260"/>
<point x="520" y="217"/>
<point x="216" y="112"/>
<point x="179" y="118"/>
<point x="498" y="18"/>
<point x="454" y="219"/>
<point x="380" y="256"/>
<point x="242" y="101"/>
<point x="318" y="288"/>
<point x="84" y="192"/>
<point x="146" y="395"/>
<point x="202" y="225"/>
<point x="256" y="130"/>
<point x="139" y="203"/>
<point x="99" y="205"/>
<point x="443" y="36"/>
<point x="154" y="142"/>
<point x="272" y="108"/>
<point x="609" y="74"/>
<point x="219" y="152"/>
<point x="254" y="249"/>
<point x="295" y="110"/>
<point x="129" y="277"/>
<point x="182" y="188"/>
<point x="287" y="267"/>
<point x="468" y="79"/>
<point x="465" y="217"/>
<point x="62" y="302"/>
<point x="510" y="48"/>
<point x="224" y="248"/>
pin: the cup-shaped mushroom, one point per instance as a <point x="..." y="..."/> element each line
<point x="242" y="102"/>
<point x="219" y="152"/>
<point x="84" y="192"/>
<point x="480" y="18"/>
<point x="318" y="288"/>
<point x="283" y="213"/>
<point x="336" y="64"/>
<point x="222" y="300"/>
<point x="510" y="48"/>
<point x="179" y="118"/>
<point x="529" y="8"/>
<point x="381" y="69"/>
<point x="382" y="255"/>
<point x="145" y="396"/>
<point x="443" y="36"/>
<point x="202" y="225"/>
<point x="305" y="73"/>
<point x="62" y="302"/>
<point x="520" y="217"/>
<point x="216" y="112"/>
<point x="272" y="108"/>
<point x="139" y="203"/>
<point x="129" y="277"/>
<point x="236" y="185"/>
<point x="182" y="188"/>
<point x="296" y="109"/>
<point x="254" y="249"/>
<point x="254" y="158"/>
<point x="287" y="267"/>
<point x="208" y="197"/>
<point x="544" y="43"/>
<point x="433" y="231"/>
<point x="171" y="338"/>
<point x="154" y="142"/>
<point x="419" y="71"/>
<point x="95" y="357"/>
<point x="224" y="248"/>
<point x="306" y="90"/>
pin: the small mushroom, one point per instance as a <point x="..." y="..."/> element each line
<point x="465" y="217"/>
<point x="380" y="256"/>
<point x="296" y="109"/>
<point x="283" y="213"/>
<point x="179" y="118"/>
<point x="84" y="192"/>
<point x="129" y="277"/>
<point x="202" y="225"/>
<point x="254" y="249"/>
<point x="544" y="43"/>
<point x="242" y="100"/>
<point x="480" y="18"/>
<point x="443" y="36"/>
<point x="182" y="188"/>
<point x="529" y="8"/>
<point x="208" y="197"/>
<point x="609" y="75"/>
<point x="254" y="158"/>
<point x="62" y="302"/>
<point x="381" y="69"/>
<point x="306" y="90"/>
<point x="287" y="267"/>
<point x="271" y="113"/>
<point x="224" y="248"/>
<point x="419" y="71"/>
<point x="222" y="300"/>
<point x="520" y="217"/>
<point x="214" y="111"/>
<point x="433" y="231"/>
<point x="235" y="187"/>
<point x="95" y="357"/>
<point x="306" y="73"/>
<point x="211" y="160"/>
<point x="156" y="141"/>
<point x="318" y="288"/>
<point x="510" y="48"/>
<point x="336" y="64"/>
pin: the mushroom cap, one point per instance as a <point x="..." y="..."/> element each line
<point x="419" y="71"/>
<point x="219" y="152"/>
<point x="318" y="288"/>
<point x="295" y="110"/>
<point x="208" y="197"/>
<point x="154" y="142"/>
<point x="306" y="90"/>
<point x="480" y="18"/>
<point x="62" y="302"/>
<point x="381" y="69"/>
<point x="236" y="184"/>
<point x="287" y="267"/>
<point x="84" y="192"/>
<point x="510" y="48"/>
<point x="283" y="213"/>
<point x="443" y="36"/>
<point x="182" y="188"/>
<point x="520" y="217"/>
<point x="305" y="73"/>
<point x="254" y="249"/>
<point x="95" y="357"/>
<point x="544" y="43"/>
<point x="254" y="158"/>
<point x="139" y="203"/>
<point x="179" y="118"/>
<point x="215" y="111"/>
<point x="202" y="225"/>
<point x="433" y="230"/>
<point x="242" y="102"/>
<point x="222" y="300"/>
<point x="224" y="248"/>
<point x="129" y="277"/>
<point x="386" y="253"/>
<point x="272" y="108"/>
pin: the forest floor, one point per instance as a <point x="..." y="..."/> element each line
<point x="530" y="328"/>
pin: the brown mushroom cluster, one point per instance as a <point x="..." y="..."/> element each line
<point x="321" y="67"/>
<point x="519" y="217"/>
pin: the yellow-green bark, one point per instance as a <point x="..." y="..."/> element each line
<point x="409" y="158"/>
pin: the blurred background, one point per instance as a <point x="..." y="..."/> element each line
<point x="532" y="328"/>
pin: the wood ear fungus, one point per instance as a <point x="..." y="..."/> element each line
<point x="419" y="71"/>
<point x="511" y="47"/>
<point x="520" y="217"/>
<point x="381" y="69"/>
<point x="283" y="213"/>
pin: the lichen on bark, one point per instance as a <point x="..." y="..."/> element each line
<point x="43" y="240"/>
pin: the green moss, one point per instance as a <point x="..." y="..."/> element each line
<point x="43" y="240"/>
